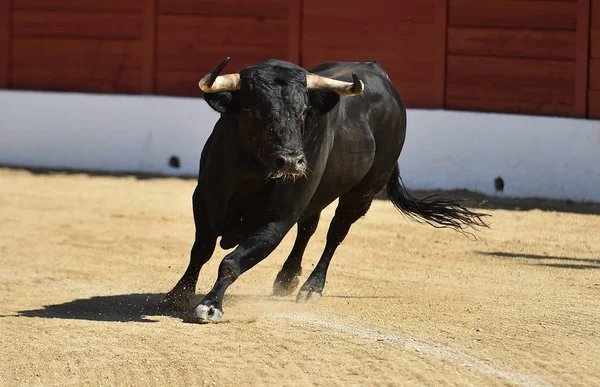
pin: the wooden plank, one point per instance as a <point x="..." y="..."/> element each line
<point x="510" y="99"/>
<point x="416" y="81"/>
<point x="53" y="52"/>
<point x="406" y="37"/>
<point x="294" y="28"/>
<point x="554" y="15"/>
<point x="74" y="78"/>
<point x="229" y="32"/>
<point x="594" y="74"/>
<point x="399" y="67"/>
<point x="5" y="43"/>
<point x="515" y="43"/>
<point x="595" y="14"/>
<point x="594" y="104"/>
<point x="407" y="40"/>
<point x="439" y="51"/>
<point x="81" y="5"/>
<point x="595" y="43"/>
<point x="77" y="24"/>
<point x="582" y="58"/>
<point x="517" y="73"/>
<point x="417" y="94"/>
<point x="180" y="83"/>
<point x="199" y="58"/>
<point x="398" y="11"/>
<point x="277" y="9"/>
<point x="149" y="42"/>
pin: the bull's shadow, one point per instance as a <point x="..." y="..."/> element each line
<point x="135" y="307"/>
<point x="118" y="308"/>
<point x="542" y="260"/>
<point x="141" y="307"/>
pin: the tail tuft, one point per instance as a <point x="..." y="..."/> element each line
<point x="434" y="209"/>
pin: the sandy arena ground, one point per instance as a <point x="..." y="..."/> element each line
<point x="84" y="259"/>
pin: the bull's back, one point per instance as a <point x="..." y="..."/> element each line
<point x="369" y="130"/>
<point x="380" y="99"/>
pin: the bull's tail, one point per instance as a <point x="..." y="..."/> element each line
<point x="434" y="209"/>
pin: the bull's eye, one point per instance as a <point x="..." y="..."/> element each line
<point x="252" y="113"/>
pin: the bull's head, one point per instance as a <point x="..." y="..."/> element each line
<point x="277" y="105"/>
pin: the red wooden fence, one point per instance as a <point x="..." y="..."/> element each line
<point x="406" y="37"/>
<point x="516" y="56"/>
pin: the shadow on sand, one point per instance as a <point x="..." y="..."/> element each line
<point x="541" y="260"/>
<point x="140" y="307"/>
<point x="119" y="308"/>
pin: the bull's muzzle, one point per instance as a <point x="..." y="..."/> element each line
<point x="291" y="165"/>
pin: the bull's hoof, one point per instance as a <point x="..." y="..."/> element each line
<point x="284" y="287"/>
<point x="208" y="313"/>
<point x="309" y="296"/>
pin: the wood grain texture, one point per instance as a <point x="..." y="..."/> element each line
<point x="594" y="83"/>
<point x="595" y="43"/>
<point x="554" y="15"/>
<point x="512" y="43"/>
<point x="294" y="21"/>
<point x="67" y="24"/>
<point x="276" y="9"/>
<point x="199" y="58"/>
<point x="229" y="32"/>
<point x="510" y="85"/>
<point x="441" y="33"/>
<point x="71" y="78"/>
<point x="177" y="77"/>
<point x="149" y="46"/>
<point x="511" y="72"/>
<point x="595" y="14"/>
<point x="194" y="36"/>
<point x="582" y="58"/>
<point x="377" y="11"/>
<point x="76" y="52"/>
<point x="506" y="99"/>
<point x="5" y="43"/>
<point x="77" y="65"/>
<point x="594" y="104"/>
<point x="81" y="5"/>
<point x="407" y="38"/>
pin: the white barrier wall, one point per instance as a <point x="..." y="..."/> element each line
<point x="535" y="156"/>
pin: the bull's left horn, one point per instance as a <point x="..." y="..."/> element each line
<point x="316" y="82"/>
<point x="213" y="82"/>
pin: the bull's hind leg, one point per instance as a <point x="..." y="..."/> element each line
<point x="289" y="277"/>
<point x="350" y="208"/>
<point x="204" y="246"/>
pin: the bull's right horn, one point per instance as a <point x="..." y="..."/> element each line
<point x="214" y="83"/>
<point x="316" y="82"/>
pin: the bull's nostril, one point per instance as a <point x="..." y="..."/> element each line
<point x="280" y="163"/>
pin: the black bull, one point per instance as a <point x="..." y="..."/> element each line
<point x="288" y="143"/>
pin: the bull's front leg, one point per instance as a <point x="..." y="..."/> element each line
<point x="248" y="253"/>
<point x="180" y="296"/>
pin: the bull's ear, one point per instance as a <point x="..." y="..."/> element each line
<point x="223" y="102"/>
<point x="322" y="101"/>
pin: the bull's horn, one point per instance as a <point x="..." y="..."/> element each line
<point x="315" y="82"/>
<point x="213" y="82"/>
